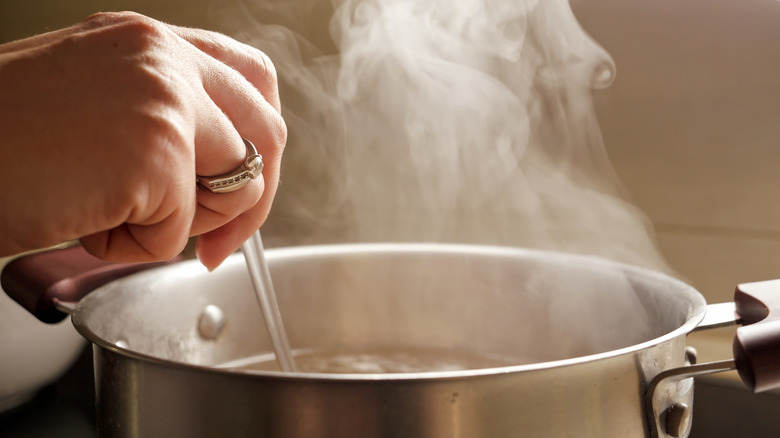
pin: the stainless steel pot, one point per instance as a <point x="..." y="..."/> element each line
<point x="596" y="348"/>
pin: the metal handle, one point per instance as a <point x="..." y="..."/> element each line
<point x="719" y="315"/>
<point x="756" y="356"/>
<point x="668" y="416"/>
<point x="756" y="345"/>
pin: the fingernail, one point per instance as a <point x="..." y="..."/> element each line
<point x="197" y="254"/>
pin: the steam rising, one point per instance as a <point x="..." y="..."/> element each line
<point x="441" y="120"/>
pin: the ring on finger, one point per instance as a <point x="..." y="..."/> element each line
<point x="231" y="181"/>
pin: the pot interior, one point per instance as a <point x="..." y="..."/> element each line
<point x="506" y="306"/>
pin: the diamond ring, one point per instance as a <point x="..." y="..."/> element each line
<point x="250" y="169"/>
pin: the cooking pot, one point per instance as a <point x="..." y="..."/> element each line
<point x="582" y="346"/>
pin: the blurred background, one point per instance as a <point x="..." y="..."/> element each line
<point x="691" y="125"/>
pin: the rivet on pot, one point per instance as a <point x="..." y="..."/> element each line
<point x="121" y="344"/>
<point x="678" y="420"/>
<point x="691" y="355"/>
<point x="211" y="322"/>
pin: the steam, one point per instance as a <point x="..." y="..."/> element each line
<point x="448" y="121"/>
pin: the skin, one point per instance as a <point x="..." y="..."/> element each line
<point x="105" y="125"/>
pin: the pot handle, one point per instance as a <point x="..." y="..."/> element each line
<point x="757" y="342"/>
<point x="41" y="281"/>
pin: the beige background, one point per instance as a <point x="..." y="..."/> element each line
<point x="691" y="122"/>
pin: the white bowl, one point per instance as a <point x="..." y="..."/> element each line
<point x="33" y="354"/>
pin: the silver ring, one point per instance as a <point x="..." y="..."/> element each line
<point x="232" y="181"/>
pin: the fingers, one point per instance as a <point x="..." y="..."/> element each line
<point x="255" y="119"/>
<point x="240" y="86"/>
<point x="128" y="242"/>
<point x="171" y="103"/>
<point x="216" y="209"/>
<point x="235" y="95"/>
<point x="236" y="110"/>
<point x="218" y="145"/>
<point x="250" y="62"/>
<point x="214" y="247"/>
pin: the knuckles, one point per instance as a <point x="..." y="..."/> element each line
<point x="146" y="58"/>
<point x="278" y="129"/>
<point x="132" y="46"/>
<point x="108" y="19"/>
<point x="263" y="69"/>
<point x="127" y="28"/>
<point x="253" y="62"/>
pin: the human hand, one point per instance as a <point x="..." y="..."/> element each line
<point x="104" y="126"/>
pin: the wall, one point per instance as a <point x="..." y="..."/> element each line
<point x="691" y="124"/>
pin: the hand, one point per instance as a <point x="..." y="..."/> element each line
<point x="104" y="126"/>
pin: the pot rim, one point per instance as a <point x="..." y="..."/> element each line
<point x="695" y="317"/>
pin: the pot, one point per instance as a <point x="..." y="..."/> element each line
<point x="578" y="346"/>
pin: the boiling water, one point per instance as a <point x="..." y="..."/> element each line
<point x="376" y="361"/>
<point x="266" y="297"/>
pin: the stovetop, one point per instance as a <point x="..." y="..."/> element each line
<point x="66" y="409"/>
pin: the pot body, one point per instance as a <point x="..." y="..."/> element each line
<point x="579" y="337"/>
